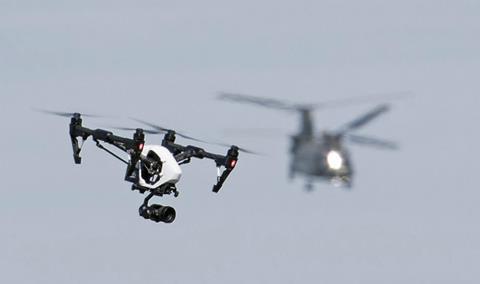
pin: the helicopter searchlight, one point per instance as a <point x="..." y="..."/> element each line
<point x="334" y="160"/>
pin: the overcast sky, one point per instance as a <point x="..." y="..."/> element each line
<point x="412" y="216"/>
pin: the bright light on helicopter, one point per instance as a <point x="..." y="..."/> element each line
<point x="334" y="160"/>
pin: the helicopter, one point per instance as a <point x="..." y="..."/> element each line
<point x="324" y="156"/>
<point x="152" y="169"/>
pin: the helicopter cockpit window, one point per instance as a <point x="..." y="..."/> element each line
<point x="151" y="173"/>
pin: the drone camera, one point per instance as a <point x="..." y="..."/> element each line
<point x="158" y="213"/>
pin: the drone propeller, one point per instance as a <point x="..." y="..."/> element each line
<point x="239" y="148"/>
<point x="373" y="142"/>
<point x="64" y="114"/>
<point x="134" y="129"/>
<point x="162" y="130"/>
<point x="156" y="132"/>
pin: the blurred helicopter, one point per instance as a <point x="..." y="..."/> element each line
<point x="323" y="156"/>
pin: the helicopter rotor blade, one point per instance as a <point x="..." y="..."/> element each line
<point x="64" y="114"/>
<point x="364" y="119"/>
<point x="373" y="142"/>
<point x="282" y="105"/>
<point x="351" y="101"/>
<point x="265" y="102"/>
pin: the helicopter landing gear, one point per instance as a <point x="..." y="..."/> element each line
<point x="309" y="186"/>
<point x="291" y="174"/>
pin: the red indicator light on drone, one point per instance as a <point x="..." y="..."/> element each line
<point x="233" y="163"/>
<point x="140" y="147"/>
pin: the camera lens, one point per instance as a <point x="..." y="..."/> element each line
<point x="158" y="213"/>
<point x="161" y="213"/>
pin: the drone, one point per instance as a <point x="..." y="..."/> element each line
<point x="324" y="155"/>
<point x="152" y="169"/>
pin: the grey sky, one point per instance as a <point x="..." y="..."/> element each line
<point x="412" y="217"/>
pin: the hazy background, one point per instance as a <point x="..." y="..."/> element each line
<point x="411" y="218"/>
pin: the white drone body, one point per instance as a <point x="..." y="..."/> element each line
<point x="152" y="169"/>
<point x="169" y="174"/>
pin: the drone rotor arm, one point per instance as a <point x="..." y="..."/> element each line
<point x="185" y="153"/>
<point x="133" y="146"/>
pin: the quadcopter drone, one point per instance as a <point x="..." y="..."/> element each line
<point x="154" y="169"/>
